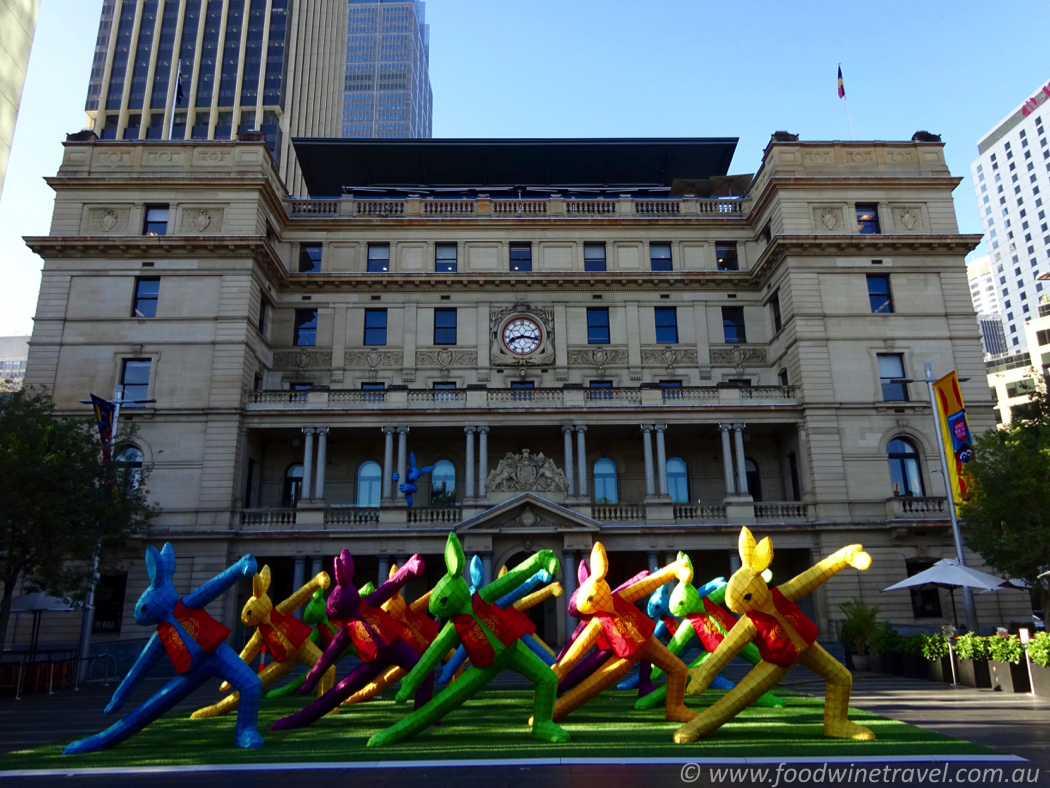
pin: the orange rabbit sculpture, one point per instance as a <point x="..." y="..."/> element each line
<point x="784" y="637"/>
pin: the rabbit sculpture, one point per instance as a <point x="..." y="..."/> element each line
<point x="784" y="636"/>
<point x="196" y="644"/>
<point x="314" y="615"/>
<point x="285" y="636"/>
<point x="666" y="625"/>
<point x="492" y="642"/>
<point x="630" y="634"/>
<point x="374" y="633"/>
<point x="409" y="486"/>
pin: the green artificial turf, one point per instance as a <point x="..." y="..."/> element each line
<point x="492" y="725"/>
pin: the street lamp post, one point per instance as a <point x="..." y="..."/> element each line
<point x="929" y="380"/>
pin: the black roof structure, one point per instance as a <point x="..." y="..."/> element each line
<point x="332" y="167"/>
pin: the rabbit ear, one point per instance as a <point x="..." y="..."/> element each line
<point x="261" y="582"/>
<point x="318" y="595"/>
<point x="582" y="572"/>
<point x="477" y="572"/>
<point x="763" y="556"/>
<point x="412" y="459"/>
<point x="155" y="567"/>
<point x="344" y="568"/>
<point x="392" y="572"/>
<point x="454" y="558"/>
<point x="746" y="546"/>
<point x="599" y="561"/>
<point x="502" y="570"/>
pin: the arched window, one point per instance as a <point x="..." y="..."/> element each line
<point x="754" y="479"/>
<point x="678" y="480"/>
<point x="293" y="485"/>
<point x="605" y="490"/>
<point x="129" y="460"/>
<point x="905" y="470"/>
<point x="369" y="484"/>
<point x="443" y="484"/>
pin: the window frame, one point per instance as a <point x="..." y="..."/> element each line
<point x="665" y="264"/>
<point x="913" y="456"/>
<point x="375" y="482"/>
<point x="669" y="329"/>
<point x="301" y="331"/>
<point x="603" y="480"/>
<point x="446" y="265"/>
<point x="727" y="256"/>
<point x="138" y="299"/>
<point x="867" y="225"/>
<point x="740" y="328"/>
<point x="593" y="328"/>
<point x="311" y="266"/>
<point x="778" y="319"/>
<point x="446" y="497"/>
<point x="594" y="264"/>
<point x="371" y="332"/>
<point x="682" y="476"/>
<point x="377" y="268"/>
<point x="155" y="227"/>
<point x="880" y="303"/>
<point x="883" y="379"/>
<point x="292" y="486"/>
<point x="123" y="385"/>
<point x="445" y="334"/>
<point x="522" y="261"/>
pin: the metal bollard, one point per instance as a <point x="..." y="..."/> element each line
<point x="18" y="689"/>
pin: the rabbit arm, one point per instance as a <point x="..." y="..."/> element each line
<point x="525" y="589"/>
<point x="221" y="583"/>
<point x="738" y="637"/>
<point x="718" y="596"/>
<point x="252" y="647"/>
<point x="413" y="566"/>
<point x="535" y="598"/>
<point x="422" y="605"/>
<point x="446" y="640"/>
<point x="146" y="659"/>
<point x="818" y="575"/>
<point x="499" y="588"/>
<point x="302" y="596"/>
<point x="579" y="647"/>
<point x="647" y="585"/>
<point x="678" y="642"/>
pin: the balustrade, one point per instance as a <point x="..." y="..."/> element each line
<point x="590" y="207"/>
<point x="517" y="208"/>
<point x="350" y="515"/>
<point x="315" y="207"/>
<point x="913" y="505"/>
<point x="658" y="207"/>
<point x="781" y="511"/>
<point x="434" y="515"/>
<point x="453" y="208"/>
<point x="699" y="512"/>
<point x="618" y="512"/>
<point x="379" y="207"/>
<point x="254" y="518"/>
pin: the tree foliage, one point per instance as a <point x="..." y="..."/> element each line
<point x="61" y="500"/>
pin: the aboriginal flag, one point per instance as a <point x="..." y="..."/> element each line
<point x="842" y="89"/>
<point x="104" y="416"/>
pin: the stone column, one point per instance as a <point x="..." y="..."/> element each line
<point x="388" y="463"/>
<point x="734" y="560"/>
<point x="741" y="469"/>
<point x="298" y="579"/>
<point x="470" y="461"/>
<point x="568" y="583"/>
<point x="402" y="459"/>
<point x="647" y="452"/>
<point x="384" y="570"/>
<point x="661" y="458"/>
<point x="486" y="563"/>
<point x="308" y="464"/>
<point x="316" y="566"/>
<point x="654" y="561"/>
<point x="567" y="433"/>
<point x="581" y="458"/>
<point x="727" y="458"/>
<point x="483" y="461"/>
<point x="322" y="456"/>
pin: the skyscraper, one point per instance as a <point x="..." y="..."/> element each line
<point x="269" y="65"/>
<point x="17" y="25"/>
<point x="1011" y="177"/>
<point x="387" y="91"/>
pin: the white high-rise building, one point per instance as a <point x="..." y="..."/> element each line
<point x="1011" y="177"/>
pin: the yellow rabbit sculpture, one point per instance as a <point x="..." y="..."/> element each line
<point x="784" y="636"/>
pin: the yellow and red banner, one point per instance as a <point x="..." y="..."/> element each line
<point x="951" y="413"/>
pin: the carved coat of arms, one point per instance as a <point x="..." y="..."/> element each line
<point x="526" y="472"/>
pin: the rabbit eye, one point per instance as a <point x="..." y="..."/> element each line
<point x="443" y="600"/>
<point x="747" y="597"/>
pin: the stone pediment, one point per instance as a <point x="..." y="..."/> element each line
<point x="528" y="513"/>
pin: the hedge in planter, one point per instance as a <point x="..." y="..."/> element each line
<point x="1008" y="673"/>
<point x="973" y="653"/>
<point x="914" y="661"/>
<point x="935" y="650"/>
<point x="1039" y="651"/>
<point x="888" y="643"/>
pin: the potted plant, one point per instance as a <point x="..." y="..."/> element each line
<point x="1039" y="652"/>
<point x="973" y="653"/>
<point x="860" y="626"/>
<point x="914" y="660"/>
<point x="888" y="644"/>
<point x="935" y="649"/>
<point x="1007" y="672"/>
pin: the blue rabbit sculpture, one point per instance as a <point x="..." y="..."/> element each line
<point x="196" y="644"/>
<point x="409" y="487"/>
<point x="659" y="610"/>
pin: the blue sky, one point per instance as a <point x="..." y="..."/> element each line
<point x="581" y="68"/>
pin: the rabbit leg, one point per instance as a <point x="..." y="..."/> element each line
<point x="161" y="701"/>
<point x="358" y="678"/>
<point x="599" y="681"/>
<point x="371" y="690"/>
<point x="763" y="677"/>
<point x="226" y="663"/>
<point x="584" y="668"/>
<point x="406" y="657"/>
<point x="836" y="701"/>
<point x="271" y="673"/>
<point x="309" y="654"/>
<point x="527" y="664"/>
<point x="657" y="653"/>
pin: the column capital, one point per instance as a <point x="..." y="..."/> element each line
<point x="470" y="429"/>
<point x="659" y="427"/>
<point x="309" y="430"/>
<point x="388" y="430"/>
<point x="321" y="430"/>
<point x="568" y="429"/>
<point x="581" y="428"/>
<point x="646" y="427"/>
<point x="739" y="426"/>
<point x="402" y="430"/>
<point x="726" y="427"/>
<point x="483" y="430"/>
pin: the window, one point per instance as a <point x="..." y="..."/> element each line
<point x="522" y="384"/>
<point x="666" y="325"/>
<point x="660" y="257"/>
<point x="134" y="381"/>
<point x="249" y="482"/>
<point x="754" y="479"/>
<point x="263" y="309"/>
<point x="1020" y="388"/>
<point x="147" y="291"/>
<point x="868" y="219"/>
<point x="375" y="327"/>
<point x="733" y="325"/>
<point x="678" y="480"/>
<point x="879" y="294"/>
<point x="292" y="490"/>
<point x="521" y="258"/>
<point x="445" y="259"/>
<point x="109" y="603"/>
<point x="305" y="333"/>
<point x="309" y="258"/>
<point x="925" y="602"/>
<point x="891" y="365"/>
<point x="156" y="220"/>
<point x="601" y="389"/>
<point x="782" y="376"/>
<point x="444" y="391"/>
<point x="378" y="258"/>
<point x="726" y="256"/>
<point x="905" y="472"/>
<point x="443" y="484"/>
<point x="369" y="484"/>
<point x="796" y="489"/>
<point x="594" y="257"/>
<point x="521" y="390"/>
<point x="598" y="326"/>
<point x="774" y="305"/>
<point x="670" y="384"/>
<point x="444" y="327"/>
<point x="129" y="465"/>
<point x="605" y="490"/>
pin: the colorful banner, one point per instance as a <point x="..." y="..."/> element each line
<point x="104" y="411"/>
<point x="955" y="430"/>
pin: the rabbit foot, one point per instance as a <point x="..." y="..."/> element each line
<point x="849" y="730"/>
<point x="249" y="739"/>
<point x="548" y="731"/>
<point x="680" y="714"/>
<point x="648" y="702"/>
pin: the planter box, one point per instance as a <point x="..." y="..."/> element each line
<point x="974" y="674"/>
<point x="876" y="664"/>
<point x="940" y="669"/>
<point x="894" y="664"/>
<point x="915" y="668"/>
<point x="1009" y="676"/>
<point x="1041" y="681"/>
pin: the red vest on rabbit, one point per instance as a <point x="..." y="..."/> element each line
<point x="773" y="642"/>
<point x="293" y="630"/>
<point x="373" y="624"/>
<point x="206" y="632"/>
<point x="477" y="646"/>
<point x="627" y="629"/>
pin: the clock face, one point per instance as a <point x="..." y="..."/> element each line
<point x="522" y="336"/>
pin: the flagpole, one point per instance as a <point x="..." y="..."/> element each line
<point x="845" y="98"/>
<point x="175" y="98"/>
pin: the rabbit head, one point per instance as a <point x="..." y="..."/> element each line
<point x="396" y="605"/>
<point x="159" y="599"/>
<point x="747" y="589"/>
<point x="257" y="609"/>
<point x="594" y="595"/>
<point x="344" y="600"/>
<point x="314" y="610"/>
<point x="451" y="595"/>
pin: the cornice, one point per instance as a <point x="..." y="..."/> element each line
<point x="839" y="182"/>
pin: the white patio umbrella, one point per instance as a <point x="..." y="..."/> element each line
<point x="948" y="573"/>
<point x="37" y="603"/>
